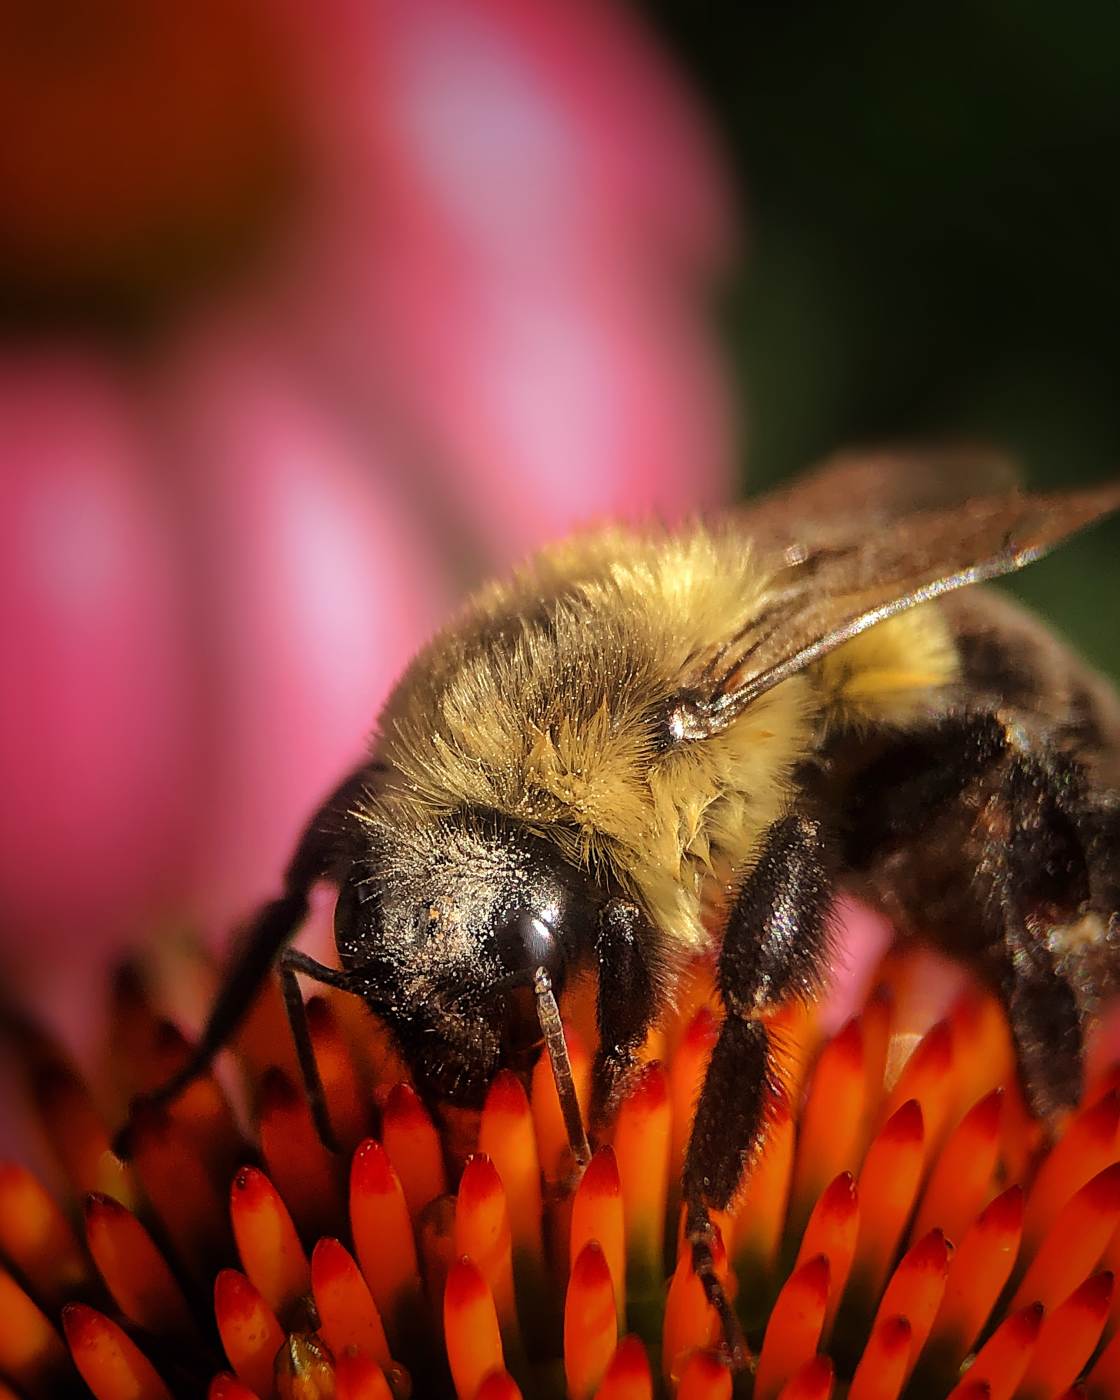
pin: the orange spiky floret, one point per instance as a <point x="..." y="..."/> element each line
<point x="906" y="1233"/>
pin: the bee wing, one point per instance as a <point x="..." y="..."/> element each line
<point x="879" y="485"/>
<point x="836" y="582"/>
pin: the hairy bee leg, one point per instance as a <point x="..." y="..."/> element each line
<point x="1043" y="882"/>
<point x="273" y="926"/>
<point x="775" y="947"/>
<point x="1031" y="861"/>
<point x="1045" y="1025"/>
<point x="731" y="1112"/>
<point x="626" y="1005"/>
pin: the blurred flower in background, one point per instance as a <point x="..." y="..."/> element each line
<point x="311" y="314"/>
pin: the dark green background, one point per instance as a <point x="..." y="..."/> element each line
<point x="932" y="201"/>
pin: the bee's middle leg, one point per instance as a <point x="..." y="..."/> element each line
<point x="775" y="947"/>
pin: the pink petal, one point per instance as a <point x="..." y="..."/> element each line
<point x="517" y="122"/>
<point x="507" y="251"/>
<point x="96" y="711"/>
<point x="315" y="581"/>
<point x="564" y="404"/>
<point x="863" y="936"/>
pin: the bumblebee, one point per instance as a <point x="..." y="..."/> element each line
<point x="649" y="746"/>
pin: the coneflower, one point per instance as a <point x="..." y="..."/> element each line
<point x="907" y="1232"/>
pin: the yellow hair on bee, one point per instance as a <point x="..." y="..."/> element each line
<point x="546" y="700"/>
<point x="888" y="673"/>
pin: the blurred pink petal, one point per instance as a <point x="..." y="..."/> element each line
<point x="97" y="741"/>
<point x="863" y="936"/>
<point x="313" y="583"/>
<point x="532" y="296"/>
<point x="564" y="408"/>
<point x="521" y="130"/>
<point x="925" y="993"/>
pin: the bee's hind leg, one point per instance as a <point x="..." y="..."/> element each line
<point x="775" y="947"/>
<point x="1043" y="885"/>
<point x="984" y="835"/>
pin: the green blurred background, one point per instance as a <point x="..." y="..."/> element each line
<point x="933" y="216"/>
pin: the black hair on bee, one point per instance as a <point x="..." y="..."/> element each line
<point x="648" y="746"/>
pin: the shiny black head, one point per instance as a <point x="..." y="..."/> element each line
<point x="442" y="928"/>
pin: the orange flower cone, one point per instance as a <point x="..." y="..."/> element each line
<point x="908" y="1233"/>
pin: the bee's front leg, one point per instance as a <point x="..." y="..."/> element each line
<point x="263" y="943"/>
<point x="290" y="962"/>
<point x="775" y="947"/>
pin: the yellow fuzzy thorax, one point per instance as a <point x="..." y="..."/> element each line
<point x="545" y="700"/>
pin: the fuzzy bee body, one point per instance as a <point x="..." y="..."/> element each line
<point x="652" y="745"/>
<point x="548" y="701"/>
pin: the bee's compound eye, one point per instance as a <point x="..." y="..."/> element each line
<point x="528" y="942"/>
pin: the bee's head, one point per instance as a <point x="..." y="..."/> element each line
<point x="443" y="926"/>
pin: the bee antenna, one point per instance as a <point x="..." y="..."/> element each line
<point x="548" y="1014"/>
